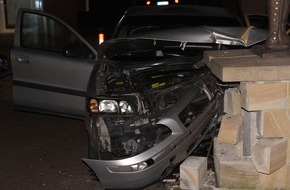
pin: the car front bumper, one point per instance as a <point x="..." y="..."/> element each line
<point x="166" y="155"/>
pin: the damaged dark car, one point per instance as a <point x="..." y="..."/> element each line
<point x="148" y="100"/>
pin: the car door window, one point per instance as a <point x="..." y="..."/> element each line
<point x="45" y="33"/>
<point x="52" y="65"/>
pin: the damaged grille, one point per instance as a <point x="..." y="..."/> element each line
<point x="151" y="90"/>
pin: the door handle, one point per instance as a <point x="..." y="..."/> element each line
<point x="22" y="59"/>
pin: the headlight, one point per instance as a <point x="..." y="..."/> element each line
<point x="110" y="106"/>
<point x="125" y="107"/>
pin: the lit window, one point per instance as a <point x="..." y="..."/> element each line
<point x="38" y="4"/>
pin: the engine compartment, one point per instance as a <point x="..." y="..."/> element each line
<point x="152" y="88"/>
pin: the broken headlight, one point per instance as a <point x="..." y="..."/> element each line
<point x="110" y="106"/>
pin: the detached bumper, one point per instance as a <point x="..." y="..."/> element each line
<point x="114" y="174"/>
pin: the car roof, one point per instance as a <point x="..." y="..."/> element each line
<point x="180" y="10"/>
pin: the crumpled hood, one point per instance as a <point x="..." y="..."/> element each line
<point x="244" y="36"/>
<point x="236" y="36"/>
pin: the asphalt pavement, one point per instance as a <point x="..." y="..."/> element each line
<point x="41" y="152"/>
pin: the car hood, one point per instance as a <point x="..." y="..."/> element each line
<point x="235" y="36"/>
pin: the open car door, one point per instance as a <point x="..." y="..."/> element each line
<point x="52" y="65"/>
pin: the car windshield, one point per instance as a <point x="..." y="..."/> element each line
<point x="140" y="24"/>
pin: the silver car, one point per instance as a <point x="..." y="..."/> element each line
<point x="146" y="96"/>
